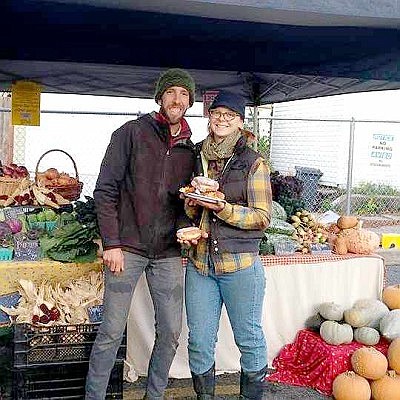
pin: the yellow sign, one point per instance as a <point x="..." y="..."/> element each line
<point x="25" y="103"/>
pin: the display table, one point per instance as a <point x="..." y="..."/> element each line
<point x="296" y="285"/>
<point x="45" y="270"/>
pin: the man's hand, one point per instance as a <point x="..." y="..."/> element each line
<point x="114" y="260"/>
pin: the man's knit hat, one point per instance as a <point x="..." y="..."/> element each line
<point x="229" y="100"/>
<point x="175" y="77"/>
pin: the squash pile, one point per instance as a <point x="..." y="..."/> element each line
<point x="348" y="237"/>
<point x="373" y="375"/>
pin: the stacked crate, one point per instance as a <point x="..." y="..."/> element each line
<point x="52" y="362"/>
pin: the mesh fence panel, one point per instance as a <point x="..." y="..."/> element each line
<point x="317" y="152"/>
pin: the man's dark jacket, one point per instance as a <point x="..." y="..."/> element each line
<point x="137" y="191"/>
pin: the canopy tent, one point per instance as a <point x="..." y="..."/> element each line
<point x="269" y="51"/>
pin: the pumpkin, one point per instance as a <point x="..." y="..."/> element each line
<point x="369" y="363"/>
<point x="390" y="325"/>
<point x="314" y="322"/>
<point x="366" y="312"/>
<point x="393" y="355"/>
<point x="334" y="333"/>
<point x="391" y="296"/>
<point x="387" y="387"/>
<point x="350" y="386"/>
<point x="347" y="222"/>
<point x="331" y="311"/>
<point x="366" y="335"/>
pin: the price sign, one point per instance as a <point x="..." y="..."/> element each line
<point x="25" y="103"/>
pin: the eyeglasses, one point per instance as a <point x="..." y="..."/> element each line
<point x="227" y="116"/>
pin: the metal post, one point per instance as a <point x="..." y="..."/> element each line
<point x="255" y="126"/>
<point x="350" y="167"/>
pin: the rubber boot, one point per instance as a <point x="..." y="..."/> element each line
<point x="252" y="384"/>
<point x="204" y="384"/>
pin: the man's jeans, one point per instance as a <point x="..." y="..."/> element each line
<point x="242" y="292"/>
<point x="165" y="281"/>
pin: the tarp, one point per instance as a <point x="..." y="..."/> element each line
<point x="269" y="51"/>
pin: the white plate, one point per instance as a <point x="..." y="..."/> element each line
<point x="197" y="196"/>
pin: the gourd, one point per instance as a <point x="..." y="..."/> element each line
<point x="390" y="325"/>
<point x="347" y="221"/>
<point x="360" y="241"/>
<point x="393" y="355"/>
<point x="387" y="387"/>
<point x="391" y="296"/>
<point x="369" y="363"/>
<point x="331" y="311"/>
<point x="334" y="333"/>
<point x="366" y="312"/>
<point x="366" y="335"/>
<point x="350" y="386"/>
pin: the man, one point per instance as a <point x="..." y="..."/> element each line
<point x="139" y="211"/>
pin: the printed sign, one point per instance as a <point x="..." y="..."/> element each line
<point x="208" y="98"/>
<point x="381" y="150"/>
<point x="8" y="300"/>
<point x="25" y="103"/>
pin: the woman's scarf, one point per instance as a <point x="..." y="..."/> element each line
<point x="218" y="153"/>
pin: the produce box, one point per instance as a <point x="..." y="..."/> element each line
<point x="56" y="345"/>
<point x="61" y="382"/>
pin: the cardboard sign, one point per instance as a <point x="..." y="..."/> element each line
<point x="25" y="103"/>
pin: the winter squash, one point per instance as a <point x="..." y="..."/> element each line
<point x="393" y="355"/>
<point x="334" y="333"/>
<point x="369" y="363"/>
<point x="391" y="296"/>
<point x="314" y="322"/>
<point x="390" y="325"/>
<point x="340" y="245"/>
<point x="366" y="335"/>
<point x="366" y="312"/>
<point x="387" y="387"/>
<point x="347" y="221"/>
<point x="331" y="311"/>
<point x="350" y="386"/>
<point x="360" y="241"/>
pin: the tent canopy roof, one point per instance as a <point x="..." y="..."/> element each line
<point x="269" y="51"/>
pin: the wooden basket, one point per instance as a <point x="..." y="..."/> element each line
<point x="69" y="192"/>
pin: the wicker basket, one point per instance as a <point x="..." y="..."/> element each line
<point x="9" y="185"/>
<point x="69" y="192"/>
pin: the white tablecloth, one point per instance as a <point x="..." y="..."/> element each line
<point x="295" y="287"/>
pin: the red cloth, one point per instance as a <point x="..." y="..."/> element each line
<point x="311" y="362"/>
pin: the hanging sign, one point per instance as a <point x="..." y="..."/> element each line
<point x="25" y="103"/>
<point x="208" y="98"/>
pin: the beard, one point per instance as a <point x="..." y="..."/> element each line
<point x="173" y="117"/>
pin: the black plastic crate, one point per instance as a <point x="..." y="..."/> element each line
<point x="61" y="382"/>
<point x="57" y="344"/>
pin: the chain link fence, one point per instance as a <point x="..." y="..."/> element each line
<point x="344" y="165"/>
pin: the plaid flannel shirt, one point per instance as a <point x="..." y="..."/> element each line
<point x="256" y="215"/>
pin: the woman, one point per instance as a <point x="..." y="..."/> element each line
<point x="224" y="267"/>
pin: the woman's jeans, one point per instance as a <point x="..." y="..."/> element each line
<point x="165" y="281"/>
<point x="242" y="292"/>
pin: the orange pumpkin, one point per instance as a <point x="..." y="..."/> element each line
<point x="393" y="355"/>
<point x="387" y="387"/>
<point x="391" y="296"/>
<point x="350" y="386"/>
<point x="369" y="363"/>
